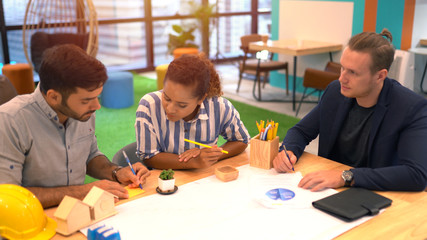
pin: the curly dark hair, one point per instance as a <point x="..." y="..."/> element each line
<point x="195" y="70"/>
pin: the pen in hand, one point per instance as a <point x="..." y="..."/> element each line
<point x="201" y="144"/>
<point x="130" y="165"/>
<point x="286" y="152"/>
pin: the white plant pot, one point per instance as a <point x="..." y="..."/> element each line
<point x="166" y="185"/>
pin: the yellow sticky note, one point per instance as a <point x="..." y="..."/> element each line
<point x="134" y="191"/>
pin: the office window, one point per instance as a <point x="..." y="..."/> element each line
<point x="172" y="7"/>
<point x="227" y="6"/>
<point x="123" y="37"/>
<point x="161" y="31"/>
<point x="264" y="5"/>
<point x="264" y="24"/>
<point x="14" y="40"/>
<point x="122" y="44"/>
<point x="225" y="40"/>
<point x="119" y="9"/>
<point x="1" y="56"/>
<point x="14" y="11"/>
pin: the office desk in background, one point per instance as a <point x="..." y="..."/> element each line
<point x="405" y="219"/>
<point x="296" y="48"/>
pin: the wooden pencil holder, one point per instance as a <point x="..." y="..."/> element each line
<point x="262" y="153"/>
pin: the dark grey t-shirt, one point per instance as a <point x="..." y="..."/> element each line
<point x="351" y="146"/>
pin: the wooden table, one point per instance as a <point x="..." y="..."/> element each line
<point x="296" y="48"/>
<point x="405" y="219"/>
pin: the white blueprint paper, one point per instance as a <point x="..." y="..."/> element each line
<point x="211" y="209"/>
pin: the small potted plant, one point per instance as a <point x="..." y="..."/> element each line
<point x="166" y="181"/>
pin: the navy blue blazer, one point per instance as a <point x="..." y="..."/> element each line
<point x="397" y="158"/>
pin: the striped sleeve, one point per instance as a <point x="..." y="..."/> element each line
<point x="145" y="126"/>
<point x="232" y="128"/>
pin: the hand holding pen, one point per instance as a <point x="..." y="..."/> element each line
<point x="287" y="155"/>
<point x="201" y="157"/>
<point x="282" y="160"/>
<point x="130" y="165"/>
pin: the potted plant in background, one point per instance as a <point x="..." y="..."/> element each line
<point x="166" y="181"/>
<point x="181" y="38"/>
<point x="204" y="13"/>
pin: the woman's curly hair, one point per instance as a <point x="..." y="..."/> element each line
<point x="195" y="70"/>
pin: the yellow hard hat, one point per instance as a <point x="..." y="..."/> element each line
<point x="22" y="215"/>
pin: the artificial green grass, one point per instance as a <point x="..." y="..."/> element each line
<point x="250" y="114"/>
<point x="115" y="127"/>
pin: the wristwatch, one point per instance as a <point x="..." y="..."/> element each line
<point x="347" y="175"/>
<point x="114" y="173"/>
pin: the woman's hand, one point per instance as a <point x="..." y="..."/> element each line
<point x="201" y="158"/>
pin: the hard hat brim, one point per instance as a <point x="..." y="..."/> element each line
<point x="48" y="231"/>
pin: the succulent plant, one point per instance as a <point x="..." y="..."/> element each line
<point x="167" y="174"/>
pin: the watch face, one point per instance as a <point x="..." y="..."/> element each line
<point x="347" y="175"/>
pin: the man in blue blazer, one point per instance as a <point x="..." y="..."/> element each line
<point x="367" y="121"/>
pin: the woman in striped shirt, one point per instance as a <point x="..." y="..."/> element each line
<point x="189" y="106"/>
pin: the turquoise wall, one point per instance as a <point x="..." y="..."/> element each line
<point x="390" y="16"/>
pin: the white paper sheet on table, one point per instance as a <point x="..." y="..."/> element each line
<point x="212" y="209"/>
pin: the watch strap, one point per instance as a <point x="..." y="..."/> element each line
<point x="347" y="181"/>
<point x="114" y="173"/>
<point x="347" y="184"/>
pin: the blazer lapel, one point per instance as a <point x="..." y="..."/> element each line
<point x="379" y="113"/>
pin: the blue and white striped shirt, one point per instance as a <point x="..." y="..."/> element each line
<point x="156" y="134"/>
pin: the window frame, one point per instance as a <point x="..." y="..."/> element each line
<point x="148" y="20"/>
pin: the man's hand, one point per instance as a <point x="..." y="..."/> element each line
<point x="320" y="180"/>
<point x="281" y="162"/>
<point x="52" y="196"/>
<point x="126" y="176"/>
<point x="111" y="187"/>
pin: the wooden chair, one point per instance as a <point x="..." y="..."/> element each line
<point x="61" y="21"/>
<point x="256" y="67"/>
<point x="318" y="80"/>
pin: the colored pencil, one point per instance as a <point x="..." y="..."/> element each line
<point x="203" y="145"/>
